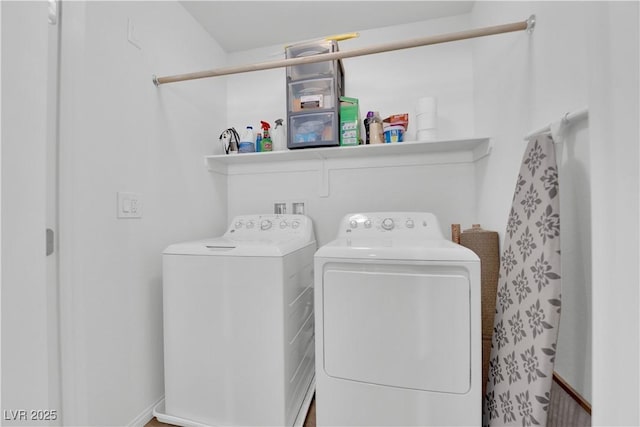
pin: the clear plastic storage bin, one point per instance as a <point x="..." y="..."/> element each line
<point x="313" y="130"/>
<point x="317" y="69"/>
<point x="309" y="95"/>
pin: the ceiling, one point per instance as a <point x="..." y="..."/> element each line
<point x="242" y="25"/>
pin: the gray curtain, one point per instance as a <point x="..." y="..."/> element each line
<point x="525" y="329"/>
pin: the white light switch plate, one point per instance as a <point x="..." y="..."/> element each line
<point x="129" y="205"/>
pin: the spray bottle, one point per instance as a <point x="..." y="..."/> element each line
<point x="278" y="136"/>
<point x="266" y="144"/>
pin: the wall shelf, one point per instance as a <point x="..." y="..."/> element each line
<point x="323" y="160"/>
<point x="461" y="150"/>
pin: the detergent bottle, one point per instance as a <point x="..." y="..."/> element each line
<point x="247" y="144"/>
<point x="265" y="144"/>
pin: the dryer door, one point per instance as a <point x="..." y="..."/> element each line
<point x="398" y="325"/>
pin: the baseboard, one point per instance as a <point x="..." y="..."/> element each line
<point x="145" y="416"/>
<point x="571" y="392"/>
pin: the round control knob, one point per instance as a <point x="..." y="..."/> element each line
<point x="295" y="224"/>
<point x="410" y="223"/>
<point x="387" y="224"/>
<point x="283" y="224"/>
<point x="353" y="223"/>
<point x="239" y="224"/>
<point x="250" y="224"/>
<point x="265" y="224"/>
<point x="367" y="224"/>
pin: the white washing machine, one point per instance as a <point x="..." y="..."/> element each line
<point x="239" y="325"/>
<point x="398" y="334"/>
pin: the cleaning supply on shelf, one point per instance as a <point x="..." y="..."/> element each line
<point x="393" y="134"/>
<point x="375" y="129"/>
<point x="266" y="144"/>
<point x="278" y="137"/>
<point x="366" y="122"/>
<point x="258" y="143"/>
<point x="349" y="121"/>
<point x="397" y="120"/>
<point x="247" y="144"/>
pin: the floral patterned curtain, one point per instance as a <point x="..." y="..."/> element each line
<point x="527" y="316"/>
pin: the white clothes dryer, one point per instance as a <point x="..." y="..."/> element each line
<point x="398" y="333"/>
<point x="239" y="325"/>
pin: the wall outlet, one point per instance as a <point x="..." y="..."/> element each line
<point x="297" y="208"/>
<point x="129" y="205"/>
<point x="279" y="208"/>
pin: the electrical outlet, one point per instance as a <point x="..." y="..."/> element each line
<point x="297" y="208"/>
<point x="280" y="208"/>
<point x="129" y="205"/>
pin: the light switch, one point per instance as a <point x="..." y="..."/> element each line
<point x="129" y="205"/>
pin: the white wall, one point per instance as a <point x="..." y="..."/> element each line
<point x="581" y="53"/>
<point x="121" y="133"/>
<point x="523" y="82"/>
<point x="614" y="89"/>
<point x="25" y="375"/>
<point x="390" y="83"/>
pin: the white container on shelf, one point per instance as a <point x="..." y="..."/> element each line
<point x="427" y="119"/>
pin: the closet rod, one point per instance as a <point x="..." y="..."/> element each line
<point x="528" y="25"/>
<point x="567" y="119"/>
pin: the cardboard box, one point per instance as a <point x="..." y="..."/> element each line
<point x="349" y="121"/>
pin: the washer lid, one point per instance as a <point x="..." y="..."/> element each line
<point x="222" y="246"/>
<point x="396" y="249"/>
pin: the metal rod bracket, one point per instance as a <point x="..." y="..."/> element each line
<point x="531" y="24"/>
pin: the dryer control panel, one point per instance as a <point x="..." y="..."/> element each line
<point x="270" y="227"/>
<point x="421" y="225"/>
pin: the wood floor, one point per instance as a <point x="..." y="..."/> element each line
<point x="564" y="412"/>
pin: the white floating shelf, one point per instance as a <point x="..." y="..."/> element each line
<point x="461" y="150"/>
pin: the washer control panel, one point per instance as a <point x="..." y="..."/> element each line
<point x="399" y="224"/>
<point x="269" y="226"/>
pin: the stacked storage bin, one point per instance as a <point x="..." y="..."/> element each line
<point x="313" y="97"/>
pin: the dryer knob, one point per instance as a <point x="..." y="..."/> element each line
<point x="250" y="224"/>
<point x="283" y="224"/>
<point x="367" y="224"/>
<point x="295" y="224"/>
<point x="387" y="224"/>
<point x="353" y="223"/>
<point x="410" y="223"/>
<point x="265" y="224"/>
<point x="239" y="224"/>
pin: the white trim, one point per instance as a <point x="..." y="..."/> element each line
<point x="75" y="405"/>
<point x="145" y="416"/>
<point x="0" y="204"/>
<point x="159" y="413"/>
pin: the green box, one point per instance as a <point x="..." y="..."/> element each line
<point x="349" y="121"/>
